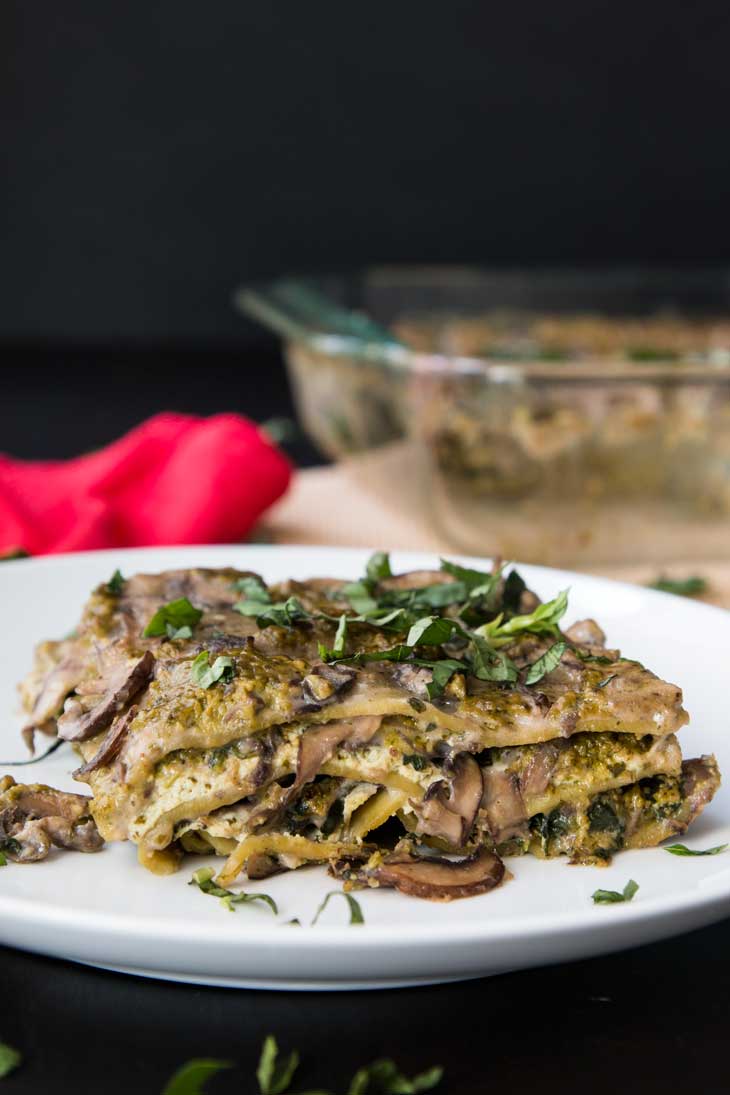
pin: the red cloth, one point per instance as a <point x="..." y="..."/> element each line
<point x="175" y="479"/>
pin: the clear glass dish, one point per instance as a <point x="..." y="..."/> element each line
<point x="562" y="417"/>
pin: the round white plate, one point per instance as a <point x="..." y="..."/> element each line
<point x="107" y="911"/>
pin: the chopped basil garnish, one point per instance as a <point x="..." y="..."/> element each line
<point x="191" y="1077"/>
<point x="356" y="916"/>
<point x="274" y="1077"/>
<point x="378" y="566"/>
<point x="613" y="897"/>
<point x="253" y="589"/>
<point x="491" y="665"/>
<point x="177" y="614"/>
<point x="546" y="663"/>
<point x="682" y="849"/>
<point x="184" y="632"/>
<point x="115" y="585"/>
<point x="203" y="879"/>
<point x="338" y="649"/>
<point x="9" y="1059"/>
<point x="683" y="587"/>
<point x="283" y="614"/>
<point x="606" y="680"/>
<point x="205" y="675"/>
<point x="543" y="621"/>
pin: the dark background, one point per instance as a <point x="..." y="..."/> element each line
<point x="154" y="156"/>
<point x="158" y="154"/>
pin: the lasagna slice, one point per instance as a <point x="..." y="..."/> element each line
<point x="408" y="730"/>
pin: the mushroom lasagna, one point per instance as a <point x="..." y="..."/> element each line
<point x="408" y="731"/>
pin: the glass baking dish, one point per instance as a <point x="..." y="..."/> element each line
<point x="557" y="416"/>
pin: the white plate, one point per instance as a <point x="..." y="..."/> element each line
<point x="105" y="910"/>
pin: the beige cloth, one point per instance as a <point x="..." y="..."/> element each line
<point x="331" y="505"/>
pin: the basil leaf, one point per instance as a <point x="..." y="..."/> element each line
<point x="178" y="613"/>
<point x="682" y="849"/>
<point x="284" y="614"/>
<point x="543" y="621"/>
<point x="356" y="916"/>
<point x="438" y="596"/>
<point x="115" y="585"/>
<point x="399" y="653"/>
<point x="433" y="631"/>
<point x="275" y="1078"/>
<point x="378" y="566"/>
<point x="613" y="897"/>
<point x="605" y="681"/>
<point x="205" y="675"/>
<point x="184" y="632"/>
<point x="191" y="1077"/>
<point x="547" y="662"/>
<point x="472" y="579"/>
<point x="203" y="879"/>
<point x="9" y="1059"/>
<point x="253" y="589"/>
<point x="338" y="650"/>
<point x="599" y="659"/>
<point x="491" y="665"/>
<point x="683" y="587"/>
<point x="389" y="1080"/>
<point x="443" y="671"/>
<point x="360" y="596"/>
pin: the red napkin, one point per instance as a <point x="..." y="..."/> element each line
<point x="175" y="479"/>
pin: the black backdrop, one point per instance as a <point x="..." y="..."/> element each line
<point x="157" y="154"/>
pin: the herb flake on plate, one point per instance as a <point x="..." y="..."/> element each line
<point x="682" y="849"/>
<point x="613" y="897"/>
<point x="356" y="916"/>
<point x="206" y="675"/>
<point x="203" y="879"/>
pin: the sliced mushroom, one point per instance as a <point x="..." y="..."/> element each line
<point x="111" y="744"/>
<point x="34" y="817"/>
<point x="503" y="803"/>
<point x="324" y="684"/>
<point x="541" y="767"/>
<point x="414" y="678"/>
<point x="587" y="632"/>
<point x="78" y="725"/>
<point x="449" y="809"/>
<point x="317" y="746"/>
<point x="434" y="879"/>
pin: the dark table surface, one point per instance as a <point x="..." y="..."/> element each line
<point x="654" y="1019"/>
